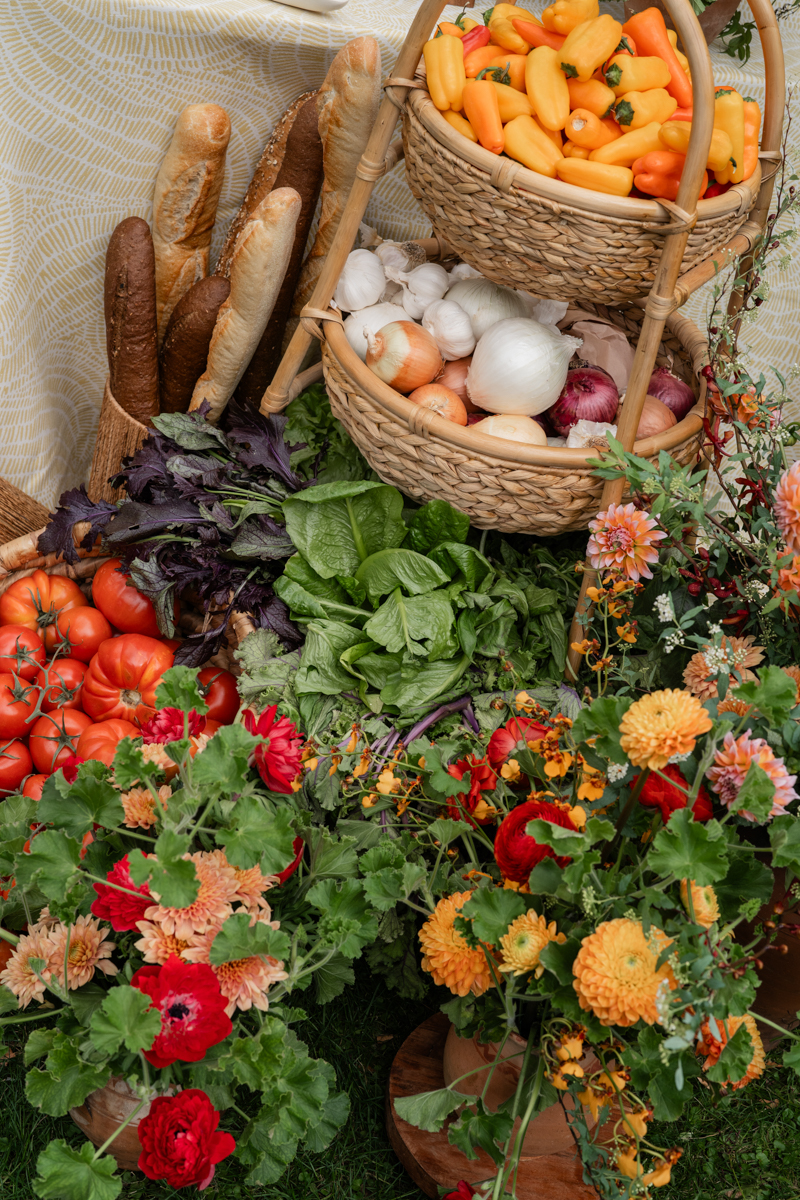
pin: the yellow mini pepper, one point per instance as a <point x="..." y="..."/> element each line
<point x="460" y="124"/>
<point x="570" y="150"/>
<point x="511" y="102"/>
<point x="594" y="95"/>
<point x="729" y="116"/>
<point x="682" y="59"/>
<point x="634" y="110"/>
<point x="614" y="181"/>
<point x="547" y="88"/>
<point x="444" y="64"/>
<point x="514" y="66"/>
<point x="526" y="143"/>
<point x="589" y="45"/>
<point x="674" y="135"/>
<point x="504" y="34"/>
<point x="565" y="15"/>
<point x="510" y="11"/>
<point x="626" y="149"/>
<point x="626" y="74"/>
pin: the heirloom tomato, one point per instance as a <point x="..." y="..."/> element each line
<point x="123" y="677"/>
<point x="62" y="679"/>
<point x="82" y="632"/>
<point x="32" y="787"/>
<point x="36" y="601"/>
<point x="119" y="601"/>
<point x="17" y="706"/>
<point x="100" y="741"/>
<point x="220" y="694"/>
<point x="21" y="651"/>
<point x="15" y="764"/>
<point x="54" y="737"/>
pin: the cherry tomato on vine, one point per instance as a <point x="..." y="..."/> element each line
<point x="17" y="706"/>
<point x="21" y="651"/>
<point x="120" y="602"/>
<point x="36" y="601"/>
<point x="82" y="632"/>
<point x="123" y="677"/>
<point x="220" y="694"/>
<point x="61" y="682"/>
<point x="100" y="740"/>
<point x="15" y="764"/>
<point x="54" y="737"/>
<point x="32" y="787"/>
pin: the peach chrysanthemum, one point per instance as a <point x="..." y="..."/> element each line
<point x="446" y="954"/>
<point x="789" y="581"/>
<point x="250" y="884"/>
<point x="731" y="704"/>
<point x="139" y="806"/>
<point x="157" y="946"/>
<point x="615" y="972"/>
<point x="794" y="674"/>
<point x="661" y="726"/>
<point x="737" y="653"/>
<point x="624" y="538"/>
<point x="18" y="976"/>
<point x="731" y="764"/>
<point x="705" y="905"/>
<point x="243" y="982"/>
<point x="711" y="1046"/>
<point x="153" y="752"/>
<point x="787" y="507"/>
<point x="88" y="951"/>
<point x="218" y="887"/>
<point x="524" y="941"/>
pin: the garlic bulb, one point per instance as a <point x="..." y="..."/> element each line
<point x="425" y="284"/>
<point x="519" y="366"/>
<point x="361" y="282"/>
<point x="463" y="271"/>
<point x="397" y="257"/>
<point x="392" y="293"/>
<point x="373" y="319"/>
<point x="450" y="328"/>
<point x="486" y="303"/>
<point x="403" y="355"/>
<point x="516" y="428"/>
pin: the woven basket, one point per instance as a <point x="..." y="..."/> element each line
<point x="498" y="484"/>
<point x="118" y="435"/>
<point x="551" y="239"/>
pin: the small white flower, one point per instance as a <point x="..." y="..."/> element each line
<point x="665" y="609"/>
<point x="678" y="758"/>
<point x="616" y="773"/>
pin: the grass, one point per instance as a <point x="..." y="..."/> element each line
<point x="743" y="1147"/>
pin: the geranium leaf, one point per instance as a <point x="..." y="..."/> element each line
<point x="331" y="979"/>
<point x="558" y="957"/>
<point x="546" y="878"/>
<point x="125" y="1018"/>
<point x="334" y="1115"/>
<point x="39" y="1043"/>
<point x="130" y="765"/>
<point x="238" y="939"/>
<point x="385" y="888"/>
<point x="774" y="694"/>
<point x="67" y="1174"/>
<point x="689" y="849"/>
<point x="757" y="793"/>
<point x="445" y="830"/>
<point x="347" y="919"/>
<point x="784" y="836"/>
<point x="66" y="1080"/>
<point x="260" y="834"/>
<point x="52" y="864"/>
<point x="601" y="722"/>
<point x="429" y="1110"/>
<point x="172" y="878"/>
<point x="222" y="768"/>
<point x="735" y="1058"/>
<point x="77" y="807"/>
<point x="179" y="688"/>
<point x="480" y="1129"/>
<point x="791" y="1056"/>
<point x="563" y="841"/>
<point x="491" y="911"/>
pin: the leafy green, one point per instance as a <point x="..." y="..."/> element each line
<point x="67" y="1079"/>
<point x="689" y="849"/>
<point x="436" y="522"/>
<point x="67" y="1174"/>
<point x="337" y="526"/>
<point x="238" y="939"/>
<point x="124" y="1018"/>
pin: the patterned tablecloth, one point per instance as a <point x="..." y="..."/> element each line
<point x="91" y="90"/>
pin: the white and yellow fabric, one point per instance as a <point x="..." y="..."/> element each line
<point x="90" y="92"/>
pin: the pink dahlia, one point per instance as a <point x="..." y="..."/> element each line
<point x="731" y="764"/>
<point x="787" y="507"/>
<point x="623" y="538"/>
<point x="168" y="726"/>
<point x="121" y="909"/>
<point x="278" y="757"/>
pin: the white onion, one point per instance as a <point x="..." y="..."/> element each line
<point x="519" y="366"/>
<point x="373" y="319"/>
<point x="361" y="282"/>
<point x="515" y="428"/>
<point x="450" y="328"/>
<point x="454" y="376"/>
<point x="486" y="303"/>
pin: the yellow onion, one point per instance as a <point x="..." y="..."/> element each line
<point x="454" y="376"/>
<point x="516" y="427"/>
<point x="655" y="418"/>
<point x="404" y="355"/>
<point x="441" y="400"/>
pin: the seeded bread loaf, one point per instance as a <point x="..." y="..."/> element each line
<point x="130" y="312"/>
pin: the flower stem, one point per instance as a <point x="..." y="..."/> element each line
<point x="628" y="809"/>
<point x="9" y="937"/>
<point x="102" y="1149"/>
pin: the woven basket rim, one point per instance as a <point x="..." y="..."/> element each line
<point x="564" y="197"/>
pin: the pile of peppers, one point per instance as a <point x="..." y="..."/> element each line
<point x="580" y="97"/>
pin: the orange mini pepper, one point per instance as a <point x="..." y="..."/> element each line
<point x="460" y="124"/>
<point x="536" y="34"/>
<point x="514" y="66"/>
<point x="527" y="143"/>
<point x="659" y="174"/>
<point x="482" y="110"/>
<point x="682" y="114"/>
<point x="478" y="60"/>
<point x="553" y="134"/>
<point x="547" y="88"/>
<point x="592" y="94"/>
<point x="447" y="27"/>
<point x="599" y="177"/>
<point x="752" y="129"/>
<point x="585" y="129"/>
<point x="648" y="29"/>
<point x="570" y="150"/>
<point x="444" y="64"/>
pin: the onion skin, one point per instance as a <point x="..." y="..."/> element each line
<point x="441" y="400"/>
<point x="674" y="392"/>
<point x="454" y="377"/>
<point x="655" y="418"/>
<point x="514" y="427"/>
<point x="589" y="394"/>
<point x="404" y="356"/>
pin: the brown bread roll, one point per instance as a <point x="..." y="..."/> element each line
<point x="130" y="311"/>
<point x="184" y="351"/>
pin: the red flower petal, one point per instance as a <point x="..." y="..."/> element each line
<point x="180" y="1142"/>
<point x="192" y="1008"/>
<point x="515" y="851"/>
<point x="120" y="909"/>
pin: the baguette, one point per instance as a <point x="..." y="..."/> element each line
<point x="185" y="203"/>
<point x="348" y="108"/>
<point x="258" y="265"/>
<point x="184" y="351"/>
<point x="130" y="313"/>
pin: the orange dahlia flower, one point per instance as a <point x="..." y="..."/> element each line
<point x="615" y="972"/>
<point x="447" y="956"/>
<point x="711" y="1046"/>
<point x="524" y="941"/>
<point x="737" y="653"/>
<point x="787" y="507"/>
<point x="704" y="902"/>
<point x="731" y="764"/>
<point x="789" y="581"/>
<point x="623" y="538"/>
<point x="662" y="725"/>
<point x="794" y="673"/>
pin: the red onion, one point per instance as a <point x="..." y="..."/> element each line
<point x="474" y="417"/>
<point x="670" y="390"/>
<point x="589" y="394"/>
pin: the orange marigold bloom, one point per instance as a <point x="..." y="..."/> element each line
<point x="18" y="975"/>
<point x="218" y="887"/>
<point x="787" y="507"/>
<point x="139" y="806"/>
<point x="711" y="1046"/>
<point x="88" y="951"/>
<point x="446" y="954"/>
<point x="738" y="653"/>
<point x="704" y="902"/>
<point x="615" y="972"/>
<point x="624" y="538"/>
<point x="524" y="940"/>
<point x="731" y="764"/>
<point x="662" y="725"/>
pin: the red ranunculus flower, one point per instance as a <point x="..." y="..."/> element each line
<point x="278" y="760"/>
<point x="168" y="726"/>
<point x="657" y="793"/>
<point x="120" y="909"/>
<point x="464" y="1191"/>
<point x="180" y="1142"/>
<point x="192" y="1010"/>
<point x="465" y="805"/>
<point x="515" y="851"/>
<point x="504" y="741"/>
<point x="70" y="767"/>
<point x="298" y="846"/>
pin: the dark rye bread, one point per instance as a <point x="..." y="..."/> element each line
<point x="184" y="351"/>
<point x="130" y="311"/>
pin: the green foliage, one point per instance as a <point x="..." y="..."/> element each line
<point x="179" y="689"/>
<point x="347" y="920"/>
<point x="478" y="1128"/>
<point x="66" y="1080"/>
<point x="238" y="939"/>
<point x="170" y="876"/>
<point x="124" y="1018"/>
<point x="67" y="1174"/>
<point x="773" y="694"/>
<point x="52" y="864"/>
<point x="223" y="767"/>
<point x="734" y="1059"/>
<point x="491" y="911"/>
<point x="428" y="1110"/>
<point x="259" y="832"/>
<point x="689" y="849"/>
<point x="78" y="807"/>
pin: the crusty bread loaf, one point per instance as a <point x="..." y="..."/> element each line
<point x="130" y="311"/>
<point x="272" y="163"/>
<point x="258" y="265"/>
<point x="184" y="351"/>
<point x="348" y="108"/>
<point x="185" y="203"/>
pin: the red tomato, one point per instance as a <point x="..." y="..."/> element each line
<point x="15" y="764"/>
<point x="54" y="737"/>
<point x="82" y="632"/>
<point x="171" y="643"/>
<point x="36" y="601"/>
<point x="17" y="706"/>
<point x="21" y="651"/>
<point x="221" y="696"/>
<point x="101" y="740"/>
<point x="32" y="787"/>
<point x="119" y="601"/>
<point x="123" y="677"/>
<point x="62" y="678"/>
